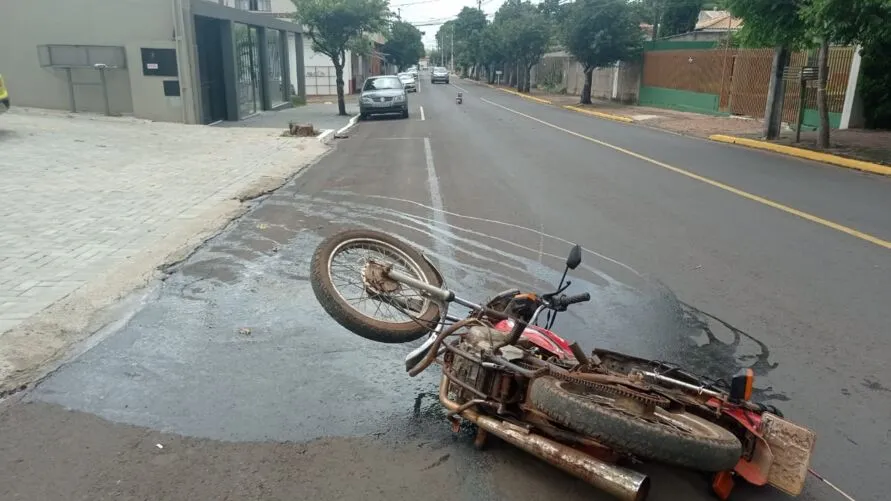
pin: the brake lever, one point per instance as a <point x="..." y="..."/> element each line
<point x="550" y="296"/>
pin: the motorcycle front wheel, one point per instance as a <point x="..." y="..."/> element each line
<point x="400" y="315"/>
<point x="676" y="438"/>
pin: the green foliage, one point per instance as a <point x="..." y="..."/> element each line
<point x="335" y="26"/>
<point x="444" y="39"/>
<point x="771" y="23"/>
<point x="849" y="21"/>
<point x="669" y="17"/>
<point x="875" y="84"/>
<point x="680" y="16"/>
<point x="523" y="31"/>
<point x="404" y="46"/>
<point x="601" y="32"/>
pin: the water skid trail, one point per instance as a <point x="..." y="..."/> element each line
<point x="539" y="251"/>
<point x="237" y="348"/>
<point x="474" y="218"/>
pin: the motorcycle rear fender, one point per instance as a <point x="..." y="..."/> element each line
<point x="439" y="276"/>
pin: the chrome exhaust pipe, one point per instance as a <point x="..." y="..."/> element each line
<point x="624" y="484"/>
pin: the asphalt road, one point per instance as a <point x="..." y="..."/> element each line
<point x="714" y="256"/>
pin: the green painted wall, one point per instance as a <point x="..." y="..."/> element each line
<point x="678" y="45"/>
<point x="812" y="119"/>
<point x="680" y="100"/>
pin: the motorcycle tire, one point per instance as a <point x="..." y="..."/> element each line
<point x="326" y="292"/>
<point x="707" y="447"/>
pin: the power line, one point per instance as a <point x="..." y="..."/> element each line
<point x="419" y="2"/>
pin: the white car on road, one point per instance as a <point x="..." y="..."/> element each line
<point x="409" y="81"/>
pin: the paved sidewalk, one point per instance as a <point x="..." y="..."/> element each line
<point x="93" y="205"/>
<point x="323" y="116"/>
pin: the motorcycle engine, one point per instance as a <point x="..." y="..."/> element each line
<point x="496" y="384"/>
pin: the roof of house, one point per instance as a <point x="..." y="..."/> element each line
<point x="712" y="20"/>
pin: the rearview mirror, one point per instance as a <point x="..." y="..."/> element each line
<point x="575" y="257"/>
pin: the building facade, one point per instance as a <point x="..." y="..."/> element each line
<point x="190" y="61"/>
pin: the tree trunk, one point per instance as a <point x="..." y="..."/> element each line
<point x="822" y="100"/>
<point x="586" y="89"/>
<point x="773" y="112"/>
<point x="521" y="75"/>
<point x="527" y="84"/>
<point x="512" y="77"/>
<point x="338" y="72"/>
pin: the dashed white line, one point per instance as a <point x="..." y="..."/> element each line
<point x="440" y="245"/>
<point x="460" y="88"/>
<point x="422" y="113"/>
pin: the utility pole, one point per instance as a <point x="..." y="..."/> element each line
<point x="773" y="113"/>
<point x="479" y="4"/>
<point x="452" y="51"/>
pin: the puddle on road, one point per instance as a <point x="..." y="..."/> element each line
<point x="237" y="348"/>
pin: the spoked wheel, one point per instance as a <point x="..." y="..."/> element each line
<point x="348" y="275"/>
<point x="634" y="423"/>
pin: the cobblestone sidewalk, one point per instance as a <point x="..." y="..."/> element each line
<point x="93" y="200"/>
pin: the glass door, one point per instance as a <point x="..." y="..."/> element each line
<point x="247" y="51"/>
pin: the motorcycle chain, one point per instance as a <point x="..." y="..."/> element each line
<point x="614" y="391"/>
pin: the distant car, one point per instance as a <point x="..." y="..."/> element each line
<point x="413" y="70"/>
<point x="409" y="81"/>
<point x="4" y="96"/>
<point x="439" y="74"/>
<point x="381" y="95"/>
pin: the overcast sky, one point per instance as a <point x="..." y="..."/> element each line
<point x="422" y="11"/>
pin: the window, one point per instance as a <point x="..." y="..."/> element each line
<point x="254" y="5"/>
<point x="382" y="83"/>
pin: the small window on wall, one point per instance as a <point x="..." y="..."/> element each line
<point x="261" y="5"/>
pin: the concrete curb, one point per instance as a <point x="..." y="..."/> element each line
<point x="349" y="124"/>
<point x="328" y="134"/>
<point x="325" y="135"/>
<point x="598" y="114"/>
<point x="816" y="156"/>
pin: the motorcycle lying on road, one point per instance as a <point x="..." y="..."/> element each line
<point x="519" y="381"/>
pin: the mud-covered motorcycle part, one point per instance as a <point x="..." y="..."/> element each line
<point x="345" y="315"/>
<point x="716" y="449"/>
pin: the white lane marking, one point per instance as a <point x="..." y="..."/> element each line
<point x="422" y="113"/>
<point x="441" y="248"/>
<point x="433" y="185"/>
<point x="492" y="221"/>
<point x="462" y="89"/>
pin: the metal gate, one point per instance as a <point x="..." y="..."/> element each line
<point x="321" y="81"/>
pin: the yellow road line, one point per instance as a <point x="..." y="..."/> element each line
<point x="816" y="156"/>
<point x="524" y="96"/>
<point x="599" y="114"/>
<point x="717" y="184"/>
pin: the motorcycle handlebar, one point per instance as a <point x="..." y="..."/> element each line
<point x="563" y="301"/>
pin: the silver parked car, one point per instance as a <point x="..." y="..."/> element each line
<point x="409" y="81"/>
<point x="383" y="94"/>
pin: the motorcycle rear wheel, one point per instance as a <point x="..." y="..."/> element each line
<point x="342" y="292"/>
<point x="676" y="438"/>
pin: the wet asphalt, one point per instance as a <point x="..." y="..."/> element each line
<point x="259" y="395"/>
